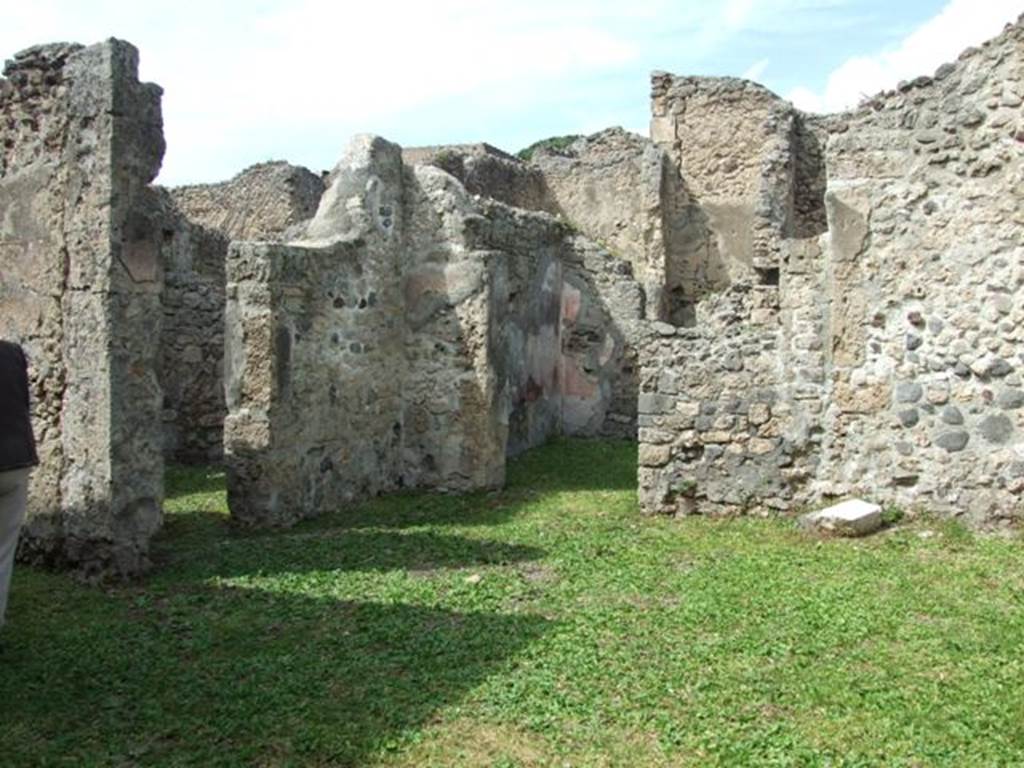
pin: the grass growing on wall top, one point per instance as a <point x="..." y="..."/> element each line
<point x="554" y="143"/>
<point x="548" y="624"/>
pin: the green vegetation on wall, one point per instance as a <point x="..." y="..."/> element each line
<point x="552" y="144"/>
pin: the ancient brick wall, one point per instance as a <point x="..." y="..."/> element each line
<point x="881" y="358"/>
<point x="924" y="262"/>
<point x="314" y="361"/>
<point x="485" y="170"/>
<point x="81" y="246"/>
<point x="610" y="186"/>
<point x="414" y="336"/>
<point x="260" y="203"/>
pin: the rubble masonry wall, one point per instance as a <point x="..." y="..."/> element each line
<point x="81" y="247"/>
<point x="882" y="358"/>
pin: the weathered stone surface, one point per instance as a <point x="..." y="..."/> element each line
<point x="908" y="298"/>
<point x="952" y="415"/>
<point x="909" y="417"/>
<point x="486" y="171"/>
<point x="771" y="297"/>
<point x="616" y="188"/>
<point x="908" y="392"/>
<point x="262" y="202"/>
<point x="1010" y="399"/>
<point x="313" y="353"/>
<point x="80" y="244"/>
<point x="848" y="518"/>
<point x="996" y="428"/>
<point x="454" y="331"/>
<point x="654" y="455"/>
<point x="953" y="441"/>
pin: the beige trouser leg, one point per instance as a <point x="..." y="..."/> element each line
<point x="13" y="497"/>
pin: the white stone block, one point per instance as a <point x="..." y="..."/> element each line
<point x="849" y="518"/>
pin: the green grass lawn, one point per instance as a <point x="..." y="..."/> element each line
<point x="548" y="624"/>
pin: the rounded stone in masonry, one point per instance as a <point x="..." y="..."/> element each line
<point x="953" y="441"/>
<point x="952" y="415"/>
<point x="996" y="428"/>
<point x="1000" y="367"/>
<point x="732" y="362"/>
<point x="909" y="417"/>
<point x="991" y="366"/>
<point x="1002" y="303"/>
<point x="908" y="392"/>
<point x="1010" y="399"/>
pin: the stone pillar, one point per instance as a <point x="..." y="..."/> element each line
<point x="314" y="364"/>
<point x="83" y="241"/>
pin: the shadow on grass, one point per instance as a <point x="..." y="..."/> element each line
<point x="182" y="670"/>
<point x="336" y="550"/>
<point x="562" y="465"/>
<point x="226" y="676"/>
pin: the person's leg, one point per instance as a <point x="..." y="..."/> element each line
<point x="13" y="497"/>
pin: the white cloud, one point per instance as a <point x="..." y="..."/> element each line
<point x="806" y="99"/>
<point x="255" y="74"/>
<point x="247" y="80"/>
<point x="960" y="24"/>
<point x="737" y="13"/>
<point x="755" y="70"/>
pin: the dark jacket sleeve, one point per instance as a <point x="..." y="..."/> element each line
<point x="24" y="374"/>
<point x="17" y="443"/>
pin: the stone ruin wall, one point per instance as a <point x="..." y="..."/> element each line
<point x="313" y="380"/>
<point x="192" y="341"/>
<point x="886" y="361"/>
<point x="729" y="389"/>
<point x="485" y="171"/>
<point x="723" y="135"/>
<point x="569" y="313"/>
<point x="260" y="203"/>
<point x="609" y="189"/>
<point x="80" y="140"/>
<point x="796" y="308"/>
<point x="926" y="262"/>
<point x="610" y="186"/>
<point x="415" y="335"/>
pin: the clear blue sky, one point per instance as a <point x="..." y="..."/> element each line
<point x="247" y="81"/>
